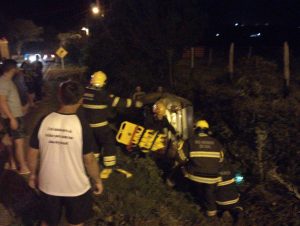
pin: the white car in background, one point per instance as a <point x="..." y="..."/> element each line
<point x="31" y="57"/>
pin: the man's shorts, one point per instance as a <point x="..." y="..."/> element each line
<point x="19" y="132"/>
<point x="77" y="209"/>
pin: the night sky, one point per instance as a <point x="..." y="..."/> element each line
<point x="65" y="15"/>
<point x="61" y="14"/>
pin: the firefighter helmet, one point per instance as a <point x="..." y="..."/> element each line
<point x="159" y="109"/>
<point x="98" y="79"/>
<point x="202" y="124"/>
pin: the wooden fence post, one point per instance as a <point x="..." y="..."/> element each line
<point x="170" y="63"/>
<point x="261" y="143"/>
<point x="286" y="62"/>
<point x="231" y="60"/>
<point x="192" y="66"/>
<point x="192" y="58"/>
<point x="210" y="56"/>
<point x="250" y="50"/>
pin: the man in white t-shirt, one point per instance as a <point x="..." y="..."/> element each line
<point x="61" y="145"/>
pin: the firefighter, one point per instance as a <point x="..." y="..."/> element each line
<point x="204" y="156"/>
<point x="157" y="120"/>
<point x="203" y="163"/>
<point x="227" y="195"/>
<point x="97" y="104"/>
<point x="138" y="94"/>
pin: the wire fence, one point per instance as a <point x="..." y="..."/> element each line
<point x="286" y="58"/>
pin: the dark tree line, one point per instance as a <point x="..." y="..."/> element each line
<point x="145" y="38"/>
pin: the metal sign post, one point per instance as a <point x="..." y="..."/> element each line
<point x="62" y="63"/>
<point x="61" y="52"/>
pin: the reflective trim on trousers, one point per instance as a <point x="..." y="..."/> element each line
<point x="229" y="202"/>
<point x="100" y="124"/>
<point x="211" y="213"/>
<point x="205" y="180"/>
<point x="94" y="106"/>
<point x="109" y="160"/>
<point x="226" y="182"/>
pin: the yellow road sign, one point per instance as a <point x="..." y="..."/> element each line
<point x="61" y="52"/>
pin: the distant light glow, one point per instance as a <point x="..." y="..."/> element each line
<point x="32" y="58"/>
<point x="52" y="56"/>
<point x="236" y="24"/>
<point x="87" y="30"/>
<point x="45" y="57"/>
<point x="239" y="178"/>
<point x="255" y="35"/>
<point x="218" y="34"/>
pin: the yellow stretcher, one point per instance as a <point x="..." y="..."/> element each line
<point x="131" y="135"/>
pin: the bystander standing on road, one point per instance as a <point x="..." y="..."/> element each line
<point x="11" y="110"/>
<point x="19" y="80"/>
<point x="138" y="94"/>
<point x="28" y="78"/>
<point x="61" y="150"/>
<point x="38" y="78"/>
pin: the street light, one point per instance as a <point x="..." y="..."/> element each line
<point x="95" y="9"/>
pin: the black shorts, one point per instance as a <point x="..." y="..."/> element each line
<point x="19" y="132"/>
<point x="77" y="209"/>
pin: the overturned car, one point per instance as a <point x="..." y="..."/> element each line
<point x="179" y="113"/>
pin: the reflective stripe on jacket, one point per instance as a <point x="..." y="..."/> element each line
<point x="98" y="103"/>
<point x="205" y="157"/>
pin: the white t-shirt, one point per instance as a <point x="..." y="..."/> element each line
<point x="62" y="140"/>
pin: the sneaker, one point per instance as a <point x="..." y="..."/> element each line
<point x="238" y="216"/>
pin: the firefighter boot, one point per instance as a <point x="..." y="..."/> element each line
<point x="126" y="173"/>
<point x="105" y="173"/>
<point x="170" y="182"/>
<point x="238" y="216"/>
<point x="109" y="162"/>
<point x="211" y="213"/>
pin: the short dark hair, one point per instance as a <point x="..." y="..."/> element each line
<point x="8" y="65"/>
<point x="70" y="92"/>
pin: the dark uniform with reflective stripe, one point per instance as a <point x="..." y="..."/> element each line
<point x="97" y="104"/>
<point x="205" y="155"/>
<point x="227" y="196"/>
